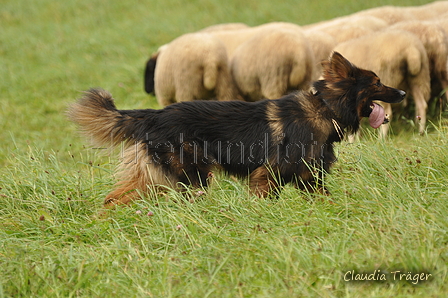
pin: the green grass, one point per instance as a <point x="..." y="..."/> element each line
<point x="389" y="208"/>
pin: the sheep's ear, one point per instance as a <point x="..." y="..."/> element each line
<point x="337" y="67"/>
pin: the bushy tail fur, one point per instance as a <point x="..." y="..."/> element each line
<point x="98" y="118"/>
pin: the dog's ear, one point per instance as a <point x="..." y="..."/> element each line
<point x="337" y="67"/>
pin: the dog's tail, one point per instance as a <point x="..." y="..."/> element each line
<point x="99" y="119"/>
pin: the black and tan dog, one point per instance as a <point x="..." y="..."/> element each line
<point x="273" y="142"/>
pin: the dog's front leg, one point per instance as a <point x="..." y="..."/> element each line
<point x="261" y="182"/>
<point x="312" y="179"/>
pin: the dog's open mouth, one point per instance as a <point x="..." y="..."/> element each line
<point x="377" y="115"/>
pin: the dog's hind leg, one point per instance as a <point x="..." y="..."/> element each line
<point x="123" y="195"/>
<point x="137" y="173"/>
<point x="262" y="182"/>
<point x="151" y="180"/>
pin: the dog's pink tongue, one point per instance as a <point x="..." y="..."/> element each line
<point x="376" y="118"/>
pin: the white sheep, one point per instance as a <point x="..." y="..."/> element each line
<point x="275" y="60"/>
<point x="435" y="41"/>
<point x="224" y="27"/>
<point x="428" y="11"/>
<point x="152" y="61"/>
<point x="390" y="14"/>
<point x="232" y="39"/>
<point x="322" y="45"/>
<point x="193" y="66"/>
<point x="348" y="27"/>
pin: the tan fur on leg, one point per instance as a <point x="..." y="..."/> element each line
<point x="138" y="173"/>
<point x="261" y="182"/>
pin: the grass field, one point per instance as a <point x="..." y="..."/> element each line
<point x="389" y="210"/>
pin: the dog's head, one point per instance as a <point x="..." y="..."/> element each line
<point x="350" y="92"/>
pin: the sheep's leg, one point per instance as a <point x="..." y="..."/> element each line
<point x="420" y="109"/>
<point x="384" y="128"/>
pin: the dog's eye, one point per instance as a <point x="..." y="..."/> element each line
<point x="378" y="84"/>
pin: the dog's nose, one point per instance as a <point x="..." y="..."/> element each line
<point x="402" y="93"/>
